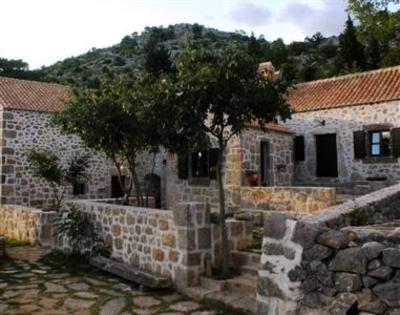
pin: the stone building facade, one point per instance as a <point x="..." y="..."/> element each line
<point x="347" y="130"/>
<point x="26" y="108"/>
<point x="243" y="156"/>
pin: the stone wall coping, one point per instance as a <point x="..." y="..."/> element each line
<point x="88" y="202"/>
<point x="334" y="213"/>
<point x="24" y="208"/>
<point x="294" y="188"/>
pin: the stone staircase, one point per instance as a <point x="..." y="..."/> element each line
<point x="238" y="292"/>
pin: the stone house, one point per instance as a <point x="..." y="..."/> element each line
<point x="25" y="112"/>
<point x="255" y="158"/>
<point x="348" y="130"/>
<point x="26" y="108"/>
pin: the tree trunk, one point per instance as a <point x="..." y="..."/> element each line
<point x="222" y="224"/>
<point x="139" y="196"/>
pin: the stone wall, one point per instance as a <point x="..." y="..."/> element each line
<point x="343" y="122"/>
<point x="27" y="224"/>
<point x="23" y="130"/>
<point x="322" y="265"/>
<point x="242" y="154"/>
<point x="181" y="243"/>
<point x="297" y="200"/>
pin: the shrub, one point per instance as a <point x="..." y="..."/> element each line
<point x="80" y="231"/>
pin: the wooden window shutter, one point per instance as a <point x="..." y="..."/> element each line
<point x="395" y="134"/>
<point x="183" y="165"/>
<point x="299" y="150"/>
<point x="359" y="144"/>
<point x="213" y="162"/>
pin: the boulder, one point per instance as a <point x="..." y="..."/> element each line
<point x="389" y="293"/>
<point x="347" y="282"/>
<point x="334" y="239"/>
<point x="317" y="252"/>
<point x="382" y="273"/>
<point x="350" y="260"/>
<point x="373" y="249"/>
<point x="344" y="303"/>
<point x="391" y="257"/>
<point x="367" y="302"/>
<point x="369" y="282"/>
<point x="374" y="264"/>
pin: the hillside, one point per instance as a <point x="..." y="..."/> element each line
<point x="311" y="59"/>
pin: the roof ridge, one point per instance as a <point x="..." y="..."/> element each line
<point x="350" y="75"/>
<point x="33" y="81"/>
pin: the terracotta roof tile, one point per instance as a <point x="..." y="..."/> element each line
<point x="32" y="95"/>
<point x="354" y="89"/>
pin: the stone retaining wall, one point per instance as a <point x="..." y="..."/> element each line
<point x="290" y="199"/>
<point x="320" y="265"/>
<point x="27" y="224"/>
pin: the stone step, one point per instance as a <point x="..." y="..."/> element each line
<point x="198" y="293"/>
<point x="134" y="274"/>
<point x="237" y="300"/>
<point x="250" y="269"/>
<point x="244" y="284"/>
<point x="212" y="284"/>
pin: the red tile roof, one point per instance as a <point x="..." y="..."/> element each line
<point x="32" y="95"/>
<point x="354" y="89"/>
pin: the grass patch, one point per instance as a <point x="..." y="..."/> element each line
<point x="12" y="242"/>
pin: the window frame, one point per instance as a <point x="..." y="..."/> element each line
<point x="380" y="143"/>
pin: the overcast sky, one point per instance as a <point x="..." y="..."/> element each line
<point x="42" y="32"/>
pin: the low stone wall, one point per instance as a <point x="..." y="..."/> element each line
<point x="30" y="225"/>
<point x="181" y="243"/>
<point x="320" y="265"/>
<point x="290" y="199"/>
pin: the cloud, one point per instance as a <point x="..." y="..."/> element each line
<point x="247" y="13"/>
<point x="328" y="19"/>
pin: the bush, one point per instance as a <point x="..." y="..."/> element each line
<point x="81" y="233"/>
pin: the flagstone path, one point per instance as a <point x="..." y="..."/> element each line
<point x="29" y="285"/>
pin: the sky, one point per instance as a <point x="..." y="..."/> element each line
<point x="42" y="32"/>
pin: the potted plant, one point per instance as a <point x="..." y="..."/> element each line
<point x="252" y="178"/>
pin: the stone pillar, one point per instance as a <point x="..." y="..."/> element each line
<point x="194" y="242"/>
<point x="278" y="292"/>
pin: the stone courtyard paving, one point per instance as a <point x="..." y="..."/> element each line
<point x="55" y="284"/>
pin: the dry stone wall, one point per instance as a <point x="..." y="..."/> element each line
<point x="323" y="265"/>
<point x="180" y="244"/>
<point x="33" y="226"/>
<point x="296" y="200"/>
<point x="23" y="130"/>
<point x="343" y="122"/>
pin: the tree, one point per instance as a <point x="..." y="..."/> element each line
<point x="351" y="51"/>
<point x="220" y="93"/>
<point x="254" y="47"/>
<point x="17" y="68"/>
<point x="114" y="120"/>
<point x="46" y="165"/>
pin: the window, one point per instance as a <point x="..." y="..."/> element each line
<point x="79" y="189"/>
<point x="380" y="143"/>
<point x="200" y="167"/>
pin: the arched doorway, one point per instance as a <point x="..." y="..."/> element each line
<point x="152" y="185"/>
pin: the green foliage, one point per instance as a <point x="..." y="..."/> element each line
<point x="46" y="165"/>
<point x="17" y="68"/>
<point x="378" y="26"/>
<point x="219" y="92"/>
<point x="351" y="56"/>
<point x="118" y="119"/>
<point x="80" y="231"/>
